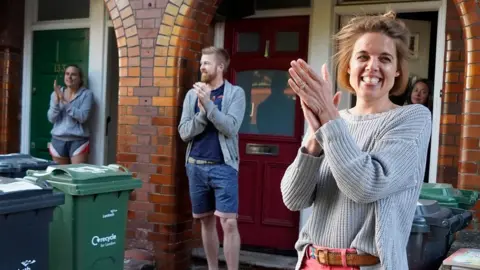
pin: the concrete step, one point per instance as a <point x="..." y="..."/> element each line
<point x="253" y="260"/>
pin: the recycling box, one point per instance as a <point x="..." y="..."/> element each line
<point x="88" y="231"/>
<point x="26" y="211"/>
<point x="16" y="165"/>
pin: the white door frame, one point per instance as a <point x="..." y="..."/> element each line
<point x="324" y="22"/>
<point x="439" y="6"/>
<point x="98" y="39"/>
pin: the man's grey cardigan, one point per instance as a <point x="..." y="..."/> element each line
<point x="227" y="121"/>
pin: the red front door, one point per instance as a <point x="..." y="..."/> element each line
<point x="261" y="51"/>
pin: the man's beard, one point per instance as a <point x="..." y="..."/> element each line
<point x="207" y="78"/>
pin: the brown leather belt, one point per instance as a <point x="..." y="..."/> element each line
<point x="331" y="258"/>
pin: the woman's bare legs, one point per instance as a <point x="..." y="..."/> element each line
<point x="61" y="160"/>
<point x="81" y="158"/>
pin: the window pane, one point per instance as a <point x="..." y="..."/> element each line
<point x="248" y="42"/>
<point x="287" y="41"/>
<point x="276" y="4"/>
<point x="270" y="102"/>
<point x="49" y="10"/>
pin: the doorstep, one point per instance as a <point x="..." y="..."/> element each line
<point x="255" y="259"/>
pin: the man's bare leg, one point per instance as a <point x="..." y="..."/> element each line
<point x="210" y="240"/>
<point x="231" y="242"/>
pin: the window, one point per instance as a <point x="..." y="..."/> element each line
<point x="270" y="102"/>
<point x="50" y="10"/>
<point x="278" y="4"/>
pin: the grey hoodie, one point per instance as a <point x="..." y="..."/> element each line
<point x="70" y="120"/>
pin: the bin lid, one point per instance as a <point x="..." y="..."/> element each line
<point x="446" y="195"/>
<point x="442" y="189"/>
<point x="11" y="163"/>
<point x="17" y="195"/>
<point x="87" y="179"/>
<point x="8" y="185"/>
<point x="430" y="213"/>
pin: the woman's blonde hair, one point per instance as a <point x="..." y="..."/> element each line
<point x="386" y="24"/>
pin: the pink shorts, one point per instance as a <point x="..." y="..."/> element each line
<point x="310" y="263"/>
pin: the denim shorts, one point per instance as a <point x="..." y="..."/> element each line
<point x="213" y="190"/>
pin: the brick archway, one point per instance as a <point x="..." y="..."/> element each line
<point x="159" y="43"/>
<point x="469" y="161"/>
<point x="459" y="155"/>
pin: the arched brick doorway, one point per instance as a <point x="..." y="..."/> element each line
<point x="469" y="161"/>
<point x="459" y="155"/>
<point x="159" y="43"/>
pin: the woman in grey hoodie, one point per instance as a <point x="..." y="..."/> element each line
<point x="69" y="112"/>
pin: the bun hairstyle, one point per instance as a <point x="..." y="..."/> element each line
<point x="386" y="24"/>
<point x="391" y="14"/>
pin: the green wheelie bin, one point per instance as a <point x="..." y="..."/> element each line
<point x="88" y="231"/>
<point x="448" y="196"/>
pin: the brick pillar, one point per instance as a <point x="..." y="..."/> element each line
<point x="452" y="99"/>
<point x="159" y="43"/>
<point x="11" y="44"/>
<point x="10" y="99"/>
<point x="469" y="163"/>
<point x="182" y="34"/>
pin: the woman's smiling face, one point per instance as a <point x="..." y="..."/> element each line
<point x="373" y="66"/>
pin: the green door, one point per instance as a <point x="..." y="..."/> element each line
<point x="52" y="52"/>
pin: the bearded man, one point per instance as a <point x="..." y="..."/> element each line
<point x="213" y="112"/>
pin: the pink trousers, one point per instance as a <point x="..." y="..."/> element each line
<point x="310" y="263"/>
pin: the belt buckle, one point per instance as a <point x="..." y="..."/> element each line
<point x="322" y="254"/>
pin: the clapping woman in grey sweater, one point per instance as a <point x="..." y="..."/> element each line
<point x="69" y="112"/>
<point x="359" y="169"/>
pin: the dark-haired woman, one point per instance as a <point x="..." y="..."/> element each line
<point x="420" y="92"/>
<point x="69" y="112"/>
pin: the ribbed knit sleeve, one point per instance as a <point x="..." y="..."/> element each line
<point x="299" y="181"/>
<point x="364" y="176"/>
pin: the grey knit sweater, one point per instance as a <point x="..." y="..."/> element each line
<point x="364" y="187"/>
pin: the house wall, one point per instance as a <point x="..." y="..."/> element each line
<point x="159" y="43"/>
<point x="150" y="106"/>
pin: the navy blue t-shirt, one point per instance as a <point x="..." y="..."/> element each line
<point x="206" y="145"/>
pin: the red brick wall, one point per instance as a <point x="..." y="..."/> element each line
<point x="11" y="44"/>
<point x="159" y="45"/>
<point x="10" y="97"/>
<point x="452" y="98"/>
<point x="469" y="164"/>
<point x="459" y="152"/>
